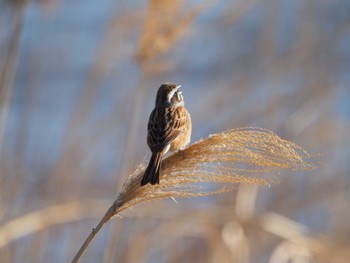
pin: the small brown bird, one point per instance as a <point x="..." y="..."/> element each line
<point x="169" y="128"/>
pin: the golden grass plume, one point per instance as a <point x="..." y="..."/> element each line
<point x="223" y="160"/>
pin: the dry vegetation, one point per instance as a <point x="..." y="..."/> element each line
<point x="212" y="160"/>
<point x="77" y="83"/>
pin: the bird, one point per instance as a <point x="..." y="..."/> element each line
<point x="169" y="129"/>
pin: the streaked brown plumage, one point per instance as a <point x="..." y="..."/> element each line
<point x="169" y="128"/>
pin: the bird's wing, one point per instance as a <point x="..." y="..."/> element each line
<point x="164" y="125"/>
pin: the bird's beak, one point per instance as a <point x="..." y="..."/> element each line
<point x="179" y="86"/>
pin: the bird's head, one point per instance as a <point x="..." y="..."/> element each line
<point x="169" y="95"/>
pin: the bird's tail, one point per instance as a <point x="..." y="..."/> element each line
<point x="153" y="169"/>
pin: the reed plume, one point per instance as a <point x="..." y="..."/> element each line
<point x="222" y="160"/>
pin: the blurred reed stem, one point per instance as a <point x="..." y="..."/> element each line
<point x="9" y="67"/>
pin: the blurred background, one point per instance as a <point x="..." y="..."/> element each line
<point x="78" y="80"/>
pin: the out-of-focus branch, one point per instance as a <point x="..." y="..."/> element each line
<point x="52" y="215"/>
<point x="298" y="236"/>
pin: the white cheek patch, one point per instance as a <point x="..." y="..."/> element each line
<point x="181" y="97"/>
<point x="171" y="94"/>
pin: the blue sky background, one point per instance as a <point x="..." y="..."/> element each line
<point x="85" y="80"/>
